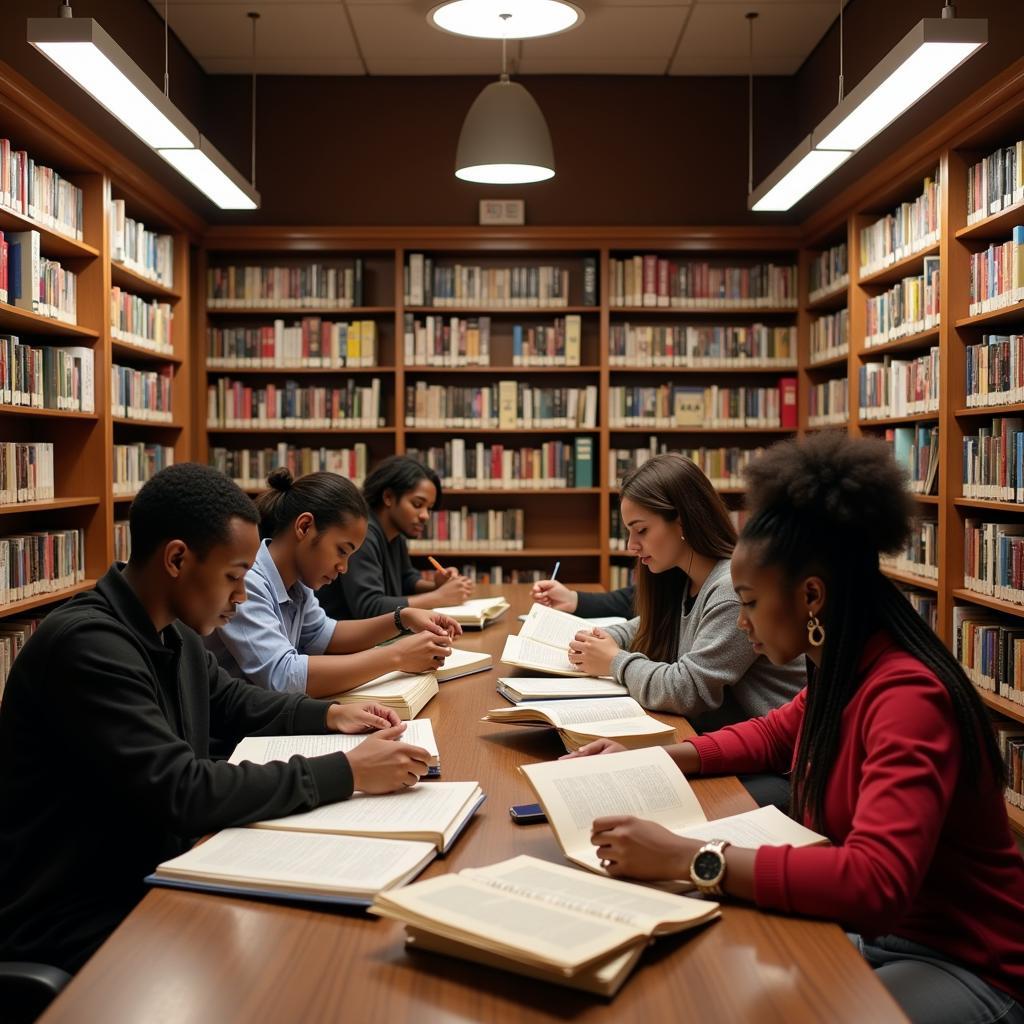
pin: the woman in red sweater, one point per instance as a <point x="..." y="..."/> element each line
<point x="891" y="752"/>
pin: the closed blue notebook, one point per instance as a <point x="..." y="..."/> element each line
<point x="469" y="817"/>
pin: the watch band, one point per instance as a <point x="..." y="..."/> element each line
<point x="398" y="620"/>
<point x="710" y="887"/>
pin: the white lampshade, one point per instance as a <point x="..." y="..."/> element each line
<point x="504" y="139"/>
<point x="505" y="19"/>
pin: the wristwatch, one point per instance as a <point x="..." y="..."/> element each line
<point x="398" y="620"/>
<point x="707" y="869"/>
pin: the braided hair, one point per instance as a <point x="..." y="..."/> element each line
<point x="828" y="505"/>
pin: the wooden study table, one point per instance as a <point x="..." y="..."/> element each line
<point x="186" y="958"/>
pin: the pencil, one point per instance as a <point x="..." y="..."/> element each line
<point x="435" y="563"/>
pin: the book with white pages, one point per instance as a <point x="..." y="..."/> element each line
<point x="477" y="612"/>
<point x="530" y="688"/>
<point x="581" y="721"/>
<point x="434" y="812"/>
<point x="600" y="620"/>
<point x="405" y="693"/>
<point x="540" y="919"/>
<point x="646" y="784"/>
<point x="552" y="627"/>
<point x="463" y="663"/>
<point x="346" y="870"/>
<point x="525" y="653"/>
<point x="261" y="749"/>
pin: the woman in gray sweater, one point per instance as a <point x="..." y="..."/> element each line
<point x="684" y="653"/>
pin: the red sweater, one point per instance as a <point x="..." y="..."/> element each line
<point x="916" y="851"/>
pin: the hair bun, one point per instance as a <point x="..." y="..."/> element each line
<point x="281" y="479"/>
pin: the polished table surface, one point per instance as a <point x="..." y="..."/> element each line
<point x="186" y="957"/>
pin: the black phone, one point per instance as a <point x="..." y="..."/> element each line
<point x="527" y="814"/>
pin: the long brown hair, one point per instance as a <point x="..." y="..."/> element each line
<point x="673" y="487"/>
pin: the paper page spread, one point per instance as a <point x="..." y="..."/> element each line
<point x="530" y="688"/>
<point x="391" y="684"/>
<point x="577" y="712"/>
<point x="766" y="826"/>
<point x="552" y="627"/>
<point x="523" y="651"/>
<point x="261" y="749"/>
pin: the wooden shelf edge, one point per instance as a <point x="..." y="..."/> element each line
<point x="1005" y="707"/>
<point x="246" y="371"/>
<point x="900" y="344"/>
<point x="33" y="323"/>
<point x="47" y="505"/>
<point x="40" y="600"/>
<point x="52" y="243"/>
<point x="894" y="271"/>
<point x="993" y="506"/>
<point x="1016" y="818"/>
<point x="524" y="553"/>
<point x="134" y="281"/>
<point x="995" y="603"/>
<point x="1012" y="312"/>
<point x="911" y="580"/>
<point x="61" y="414"/>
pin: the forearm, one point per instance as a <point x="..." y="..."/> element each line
<point x="329" y="674"/>
<point x="357" y="635"/>
<point x="422" y="586"/>
<point x="429" y="599"/>
<point x="685" y="756"/>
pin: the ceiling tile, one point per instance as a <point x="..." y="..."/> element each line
<point x="400" y="32"/>
<point x="284" y="66"/>
<point x="697" y="65"/>
<point x="615" y="32"/>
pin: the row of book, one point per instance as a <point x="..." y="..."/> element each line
<point x="829" y="271"/>
<point x="142" y="322"/>
<point x="993" y="461"/>
<point x="136" y="463"/>
<point x="40" y="563"/>
<point x="313" y="286"/>
<point x="996" y="182"/>
<point x="916" y="449"/>
<point x="997" y="275"/>
<point x="722" y="466"/>
<point x="908" y="307"/>
<point x="149" y="254"/>
<point x="46" y="377"/>
<point x="39" y="192"/>
<point x="34" y="283"/>
<point x="505" y="405"/>
<point x="991" y="650"/>
<point x="830" y="336"/>
<point x="714" y="407"/>
<point x="924" y="602"/>
<point x="465" y="529"/>
<point x="711" y="346"/>
<point x="502" y="574"/>
<point x="141" y="394"/>
<point x="235" y="405"/>
<point x="900" y="387"/>
<point x="13" y="635"/>
<point x="620" y="576"/>
<point x="994" y="559"/>
<point x="1010" y="739"/>
<point x="995" y="370"/>
<point x="122" y="540"/>
<point x="911" y="227"/>
<point x="310" y="342"/>
<point x="920" y="557"/>
<point x="828" y="404"/>
<point x="466" y="341"/>
<point x="250" y="467"/>
<point x="428" y="283"/>
<point x="26" y="471"/>
<point x="651" y="280"/>
<point x="493" y="467"/>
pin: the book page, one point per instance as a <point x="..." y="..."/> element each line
<point x="523" y="651"/>
<point x="391" y="684"/>
<point x="766" y="826"/>
<point x="552" y="627"/>
<point x="473" y="607"/>
<point x="299" y="860"/>
<point x="576" y="712"/>
<point x="459" y="659"/>
<point x="261" y="749"/>
<point x="529" y="688"/>
<point x="616" y="728"/>
<point x="643" y="783"/>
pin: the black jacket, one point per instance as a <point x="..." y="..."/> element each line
<point x="379" y="576"/>
<point x="597" y="606"/>
<point x="105" y="769"/>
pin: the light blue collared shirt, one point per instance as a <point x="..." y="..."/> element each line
<point x="273" y="631"/>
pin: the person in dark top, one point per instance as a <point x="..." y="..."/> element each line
<point x="401" y="493"/>
<point x="579" y="602"/>
<point x="106" y="722"/>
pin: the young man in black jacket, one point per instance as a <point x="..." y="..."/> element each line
<point x="106" y="723"/>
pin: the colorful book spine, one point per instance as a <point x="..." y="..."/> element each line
<point x="997" y="275"/>
<point x="995" y="370"/>
<point x="679" y="345"/>
<point x="39" y="563"/>
<point x="829" y="272"/>
<point x="465" y="529"/>
<point x="466" y="286"/>
<point x="142" y="322"/>
<point x="141" y="394"/>
<point x="39" y="193"/>
<point x="310" y="286"/>
<point x="828" y="404"/>
<point x="714" y="407"/>
<point x="46" y="377"/>
<point x="830" y="336"/>
<point x="900" y="387"/>
<point x="250" y="467"/>
<point x="724" y="467"/>
<point x="910" y="228"/>
<point x="136" y="463"/>
<point x="920" y="556"/>
<point x="26" y="471"/>
<point x="234" y="405"/>
<point x="311" y="342"/>
<point x="149" y="254"/>
<point x="504" y="405"/>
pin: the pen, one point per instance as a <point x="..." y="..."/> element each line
<point x="554" y="574"/>
<point x="435" y="563"/>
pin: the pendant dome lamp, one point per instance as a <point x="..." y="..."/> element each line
<point x="504" y="138"/>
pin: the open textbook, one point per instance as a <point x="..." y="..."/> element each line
<point x="463" y="663"/>
<point x="405" y="693"/>
<point x="295" y="866"/>
<point x="543" y="642"/>
<point x="580" y="721"/>
<point x="478" y="612"/>
<point x="645" y="784"/>
<point x="542" y="920"/>
<point x="433" y="812"/>
<point x="261" y="749"/>
<point x="529" y="688"/>
<point x="599" y="621"/>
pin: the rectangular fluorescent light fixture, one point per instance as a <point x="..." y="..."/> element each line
<point x="800" y="172"/>
<point x="86" y="54"/>
<point x="930" y="51"/>
<point x="213" y="176"/>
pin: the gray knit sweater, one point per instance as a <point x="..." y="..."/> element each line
<point x="717" y="679"/>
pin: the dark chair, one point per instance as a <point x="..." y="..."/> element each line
<point x="26" y="989"/>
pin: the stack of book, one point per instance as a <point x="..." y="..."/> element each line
<point x="46" y="377"/>
<point x="829" y="272"/>
<point x="830" y="336"/>
<point x="722" y="466"/>
<point x="920" y="557"/>
<point x="828" y="404"/>
<point x="994" y="559"/>
<point x="40" y="563"/>
<point x="995" y="183"/>
<point x="406" y="694"/>
<point x="13" y="635"/>
<point x="900" y="387"/>
<point x="34" y="283"/>
<point x="39" y="193"/>
<point x="995" y="370"/>
<point x="678" y="405"/>
<point x="997" y="275"/>
<point x="461" y="285"/>
<point x="991" y="650"/>
<point x="702" y="346"/>
<point x="916" y="449"/>
<point x="993" y="461"/>
<point x="908" y="307"/>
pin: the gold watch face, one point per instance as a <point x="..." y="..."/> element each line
<point x="707" y="866"/>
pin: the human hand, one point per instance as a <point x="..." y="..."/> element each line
<point x="555" y="595"/>
<point x="421" y="652"/>
<point x="453" y="589"/>
<point x="419" y="619"/>
<point x="361" y="718"/>
<point x="601" y="746"/>
<point x="633" y="848"/>
<point x="380" y="764"/>
<point x="592" y="651"/>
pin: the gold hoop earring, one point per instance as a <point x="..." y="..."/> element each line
<point x="815" y="631"/>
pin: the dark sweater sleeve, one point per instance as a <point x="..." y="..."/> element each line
<point x="106" y="707"/>
<point x="364" y="583"/>
<point x="594" y="606"/>
<point x="410" y="575"/>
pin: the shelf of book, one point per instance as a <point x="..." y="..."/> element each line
<point x="924" y="582"/>
<point x="301" y="311"/>
<point x="21" y="321"/>
<point x="922" y="339"/>
<point x="50" y="414"/>
<point x="288" y="371"/>
<point x="50" y="505"/>
<point x="140" y="284"/>
<point x="1012" y="314"/>
<point x="52" y="242"/>
<point x="896" y="271"/>
<point x="996" y="603"/>
<point x="994" y="228"/>
<point x="1016" y="816"/>
<point x="13" y="608"/>
<point x="1009" y="708"/>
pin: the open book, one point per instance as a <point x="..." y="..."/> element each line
<point x="407" y="694"/>
<point x="542" y="920"/>
<point x="543" y="642"/>
<point x="520" y="688"/>
<point x="525" y="653"/>
<point x="600" y="620"/>
<point x="295" y="866"/>
<point x="646" y="784"/>
<point x="580" y="721"/>
<point x="463" y="663"/>
<point x="433" y="812"/>
<point x="477" y="613"/>
<point x="261" y="749"/>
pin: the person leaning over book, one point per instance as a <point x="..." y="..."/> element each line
<point x="281" y="638"/>
<point x="106" y="722"/>
<point x="582" y="603"/>
<point x="684" y="653"/>
<point x="893" y="757"/>
<point x="401" y="493"/>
